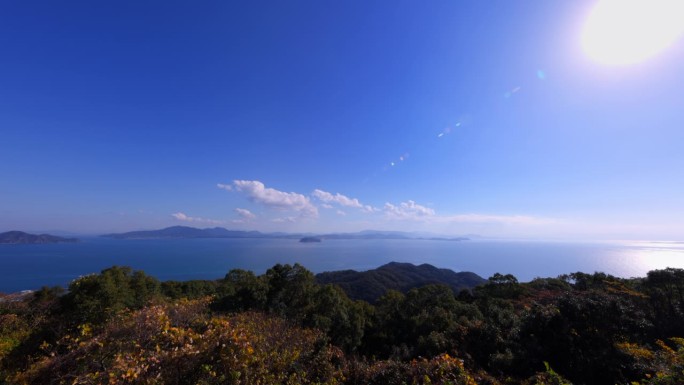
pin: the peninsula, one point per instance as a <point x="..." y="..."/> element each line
<point x="20" y="237"/>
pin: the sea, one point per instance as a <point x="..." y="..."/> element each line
<point x="29" y="267"/>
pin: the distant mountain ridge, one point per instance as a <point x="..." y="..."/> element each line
<point x="20" y="237"/>
<point x="375" y="234"/>
<point x="220" y="232"/>
<point x="188" y="232"/>
<point x="372" y="284"/>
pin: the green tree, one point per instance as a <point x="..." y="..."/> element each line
<point x="387" y="328"/>
<point x="343" y="320"/>
<point x="501" y="286"/>
<point x="665" y="289"/>
<point x="241" y="290"/>
<point x="95" y="298"/>
<point x="290" y="290"/>
<point x="189" y="289"/>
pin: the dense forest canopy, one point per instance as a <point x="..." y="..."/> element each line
<point x="125" y="327"/>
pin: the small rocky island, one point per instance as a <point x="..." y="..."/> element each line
<point x="20" y="237"/>
<point x="310" y="240"/>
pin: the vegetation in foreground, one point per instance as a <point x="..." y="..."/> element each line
<point x="124" y="327"/>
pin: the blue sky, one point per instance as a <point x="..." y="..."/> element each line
<point x="455" y="117"/>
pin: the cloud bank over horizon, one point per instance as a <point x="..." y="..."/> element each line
<point x="301" y="211"/>
<point x="321" y="211"/>
<point x="184" y="218"/>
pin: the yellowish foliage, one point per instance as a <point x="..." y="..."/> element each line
<point x="158" y="345"/>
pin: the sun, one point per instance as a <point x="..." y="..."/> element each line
<point x="623" y="32"/>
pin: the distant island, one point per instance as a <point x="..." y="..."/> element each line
<point x="20" y="237"/>
<point x="375" y="234"/>
<point x="310" y="240"/>
<point x="189" y="232"/>
<point x="176" y="232"/>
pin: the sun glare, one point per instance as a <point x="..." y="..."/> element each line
<point x="621" y="32"/>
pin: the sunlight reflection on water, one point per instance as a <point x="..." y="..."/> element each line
<point x="634" y="259"/>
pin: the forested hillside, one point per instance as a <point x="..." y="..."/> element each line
<point x="372" y="284"/>
<point x="124" y="327"/>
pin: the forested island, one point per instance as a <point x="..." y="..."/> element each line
<point x="288" y="326"/>
<point x="20" y="237"/>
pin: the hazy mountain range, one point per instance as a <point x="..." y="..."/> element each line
<point x="220" y="232"/>
<point x="20" y="237"/>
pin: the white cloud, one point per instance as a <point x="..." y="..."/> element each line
<point x="338" y="198"/>
<point x="184" y="218"/>
<point x="408" y="210"/>
<point x="342" y="213"/>
<point x="413" y="211"/>
<point x="245" y="214"/>
<point x="225" y="186"/>
<point x="326" y="206"/>
<point x="369" y="209"/>
<point x="502" y="219"/>
<point x="284" y="220"/>
<point x="257" y="192"/>
<point x="341" y="200"/>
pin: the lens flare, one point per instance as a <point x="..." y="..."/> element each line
<point x="622" y="32"/>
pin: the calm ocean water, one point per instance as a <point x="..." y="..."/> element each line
<point x="31" y="266"/>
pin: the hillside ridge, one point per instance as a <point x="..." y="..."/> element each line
<point x="372" y="284"/>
